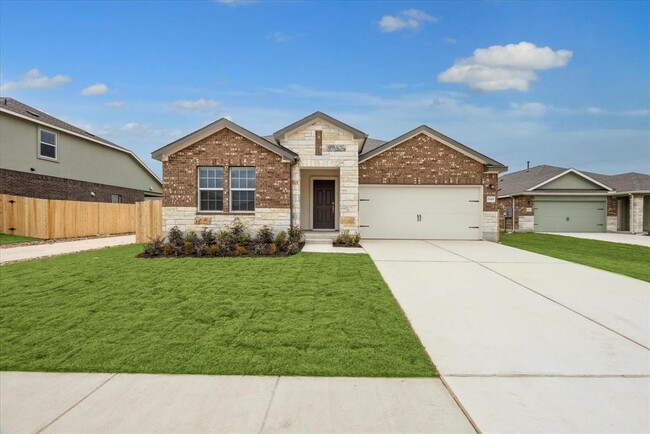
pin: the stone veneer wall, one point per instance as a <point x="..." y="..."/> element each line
<point x="303" y="141"/>
<point x="187" y="219"/>
<point x="226" y="149"/>
<point x="636" y="216"/>
<point x="422" y="160"/>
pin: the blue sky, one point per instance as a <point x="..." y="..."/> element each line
<point x="556" y="83"/>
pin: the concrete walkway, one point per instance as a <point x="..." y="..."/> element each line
<point x="130" y="403"/>
<point x="23" y="253"/>
<point x="638" y="239"/>
<point x="526" y="342"/>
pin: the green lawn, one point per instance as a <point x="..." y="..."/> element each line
<point x="620" y="258"/>
<point x="14" y="239"/>
<point x="108" y="311"/>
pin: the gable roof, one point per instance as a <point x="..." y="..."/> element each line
<point x="379" y="148"/>
<point x="16" y="108"/>
<point x="525" y="181"/>
<point x="175" y="146"/>
<point x="356" y="134"/>
<point x="566" y="172"/>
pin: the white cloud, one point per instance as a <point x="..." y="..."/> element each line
<point x="595" y="111"/>
<point x="130" y="126"/>
<point x="448" y="40"/>
<point x="409" y="19"/>
<point x="199" y="104"/>
<point x="115" y="104"/>
<point x="638" y="112"/>
<point x="504" y="67"/>
<point x="530" y="109"/>
<point x="34" y="79"/>
<point x="278" y="37"/>
<point x="95" y="89"/>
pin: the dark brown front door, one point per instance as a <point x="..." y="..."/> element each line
<point x="323" y="204"/>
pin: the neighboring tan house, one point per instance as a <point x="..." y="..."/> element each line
<point x="557" y="199"/>
<point x="322" y="174"/>
<point x="42" y="156"/>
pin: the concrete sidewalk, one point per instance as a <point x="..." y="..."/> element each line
<point x="134" y="403"/>
<point x="24" y="253"/>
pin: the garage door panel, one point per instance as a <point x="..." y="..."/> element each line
<point x="419" y="212"/>
<point x="566" y="216"/>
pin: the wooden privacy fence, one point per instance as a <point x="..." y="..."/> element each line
<point x="48" y="218"/>
<point x="148" y="222"/>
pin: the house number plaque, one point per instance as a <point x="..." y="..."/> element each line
<point x="335" y="148"/>
<point x="202" y="221"/>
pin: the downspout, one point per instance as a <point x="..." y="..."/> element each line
<point x="632" y="213"/>
<point x="513" y="214"/>
<point x="290" y="195"/>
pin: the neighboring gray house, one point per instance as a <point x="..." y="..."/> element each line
<point x="42" y="156"/>
<point x="557" y="199"/>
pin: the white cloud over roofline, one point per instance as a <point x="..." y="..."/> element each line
<point x="504" y="67"/>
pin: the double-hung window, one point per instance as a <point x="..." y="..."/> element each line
<point x="210" y="188"/>
<point x="47" y="144"/>
<point x="242" y="189"/>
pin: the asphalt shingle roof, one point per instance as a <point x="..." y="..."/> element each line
<point x="519" y="182"/>
<point x="38" y="115"/>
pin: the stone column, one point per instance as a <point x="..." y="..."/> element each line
<point x="349" y="197"/>
<point x="636" y="225"/>
<point x="295" y="193"/>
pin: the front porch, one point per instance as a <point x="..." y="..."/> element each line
<point x="320" y="200"/>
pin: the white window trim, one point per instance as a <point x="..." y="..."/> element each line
<point x="230" y="201"/>
<point x="56" y="145"/>
<point x="199" y="189"/>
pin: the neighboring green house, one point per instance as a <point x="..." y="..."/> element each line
<point x="44" y="157"/>
<point x="557" y="199"/>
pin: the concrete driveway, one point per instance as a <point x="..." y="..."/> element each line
<point x="527" y="343"/>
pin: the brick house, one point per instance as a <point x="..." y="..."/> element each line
<point x="324" y="175"/>
<point x="557" y="199"/>
<point x="44" y="157"/>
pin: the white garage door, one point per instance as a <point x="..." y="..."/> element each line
<point x="420" y="212"/>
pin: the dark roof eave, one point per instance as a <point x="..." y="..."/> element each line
<point x="225" y="123"/>
<point x="356" y="134"/>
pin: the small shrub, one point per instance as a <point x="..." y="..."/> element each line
<point x="187" y="248"/>
<point x="176" y="240"/>
<point x="281" y="240"/>
<point x="154" y="247"/>
<point x="295" y="234"/>
<point x="345" y="239"/>
<point x="260" y="250"/>
<point x="293" y="248"/>
<point x="223" y="235"/>
<point x="202" y="249"/>
<point x="214" y="250"/>
<point x="168" y="249"/>
<point x="273" y="249"/>
<point x="208" y="236"/>
<point x="264" y="235"/>
<point x="222" y="249"/>
<point x="244" y="239"/>
<point x="240" y="250"/>
<point x="238" y="227"/>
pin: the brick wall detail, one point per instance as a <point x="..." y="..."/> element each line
<point x="524" y="212"/>
<point x="52" y="187"/>
<point x="422" y="160"/>
<point x="225" y="149"/>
